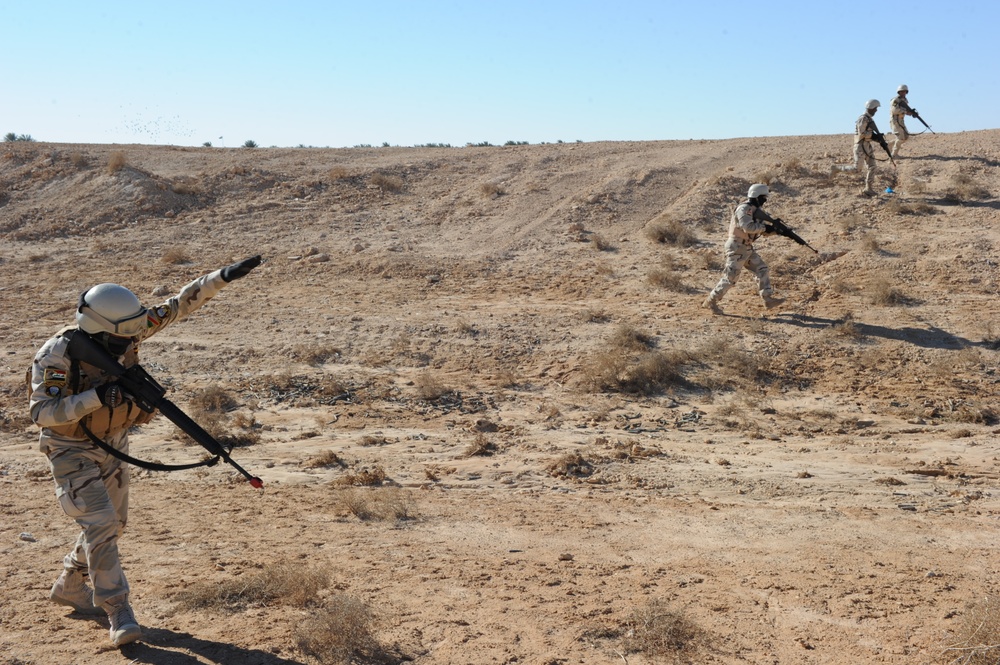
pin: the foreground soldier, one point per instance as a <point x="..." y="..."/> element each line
<point x="749" y="222"/>
<point x="71" y="401"/>
<point x="899" y="108"/>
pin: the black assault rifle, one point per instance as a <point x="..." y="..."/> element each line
<point x="880" y="137"/>
<point x="917" y="116"/>
<point x="779" y="227"/>
<point x="150" y="396"/>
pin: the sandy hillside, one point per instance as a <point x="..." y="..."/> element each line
<point x="488" y="409"/>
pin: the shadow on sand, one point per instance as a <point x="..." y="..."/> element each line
<point x="159" y="646"/>
<point x="930" y="337"/>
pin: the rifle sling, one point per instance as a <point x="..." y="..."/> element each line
<point x="152" y="466"/>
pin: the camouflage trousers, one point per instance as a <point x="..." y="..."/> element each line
<point x="899" y="130"/>
<point x="863" y="153"/>
<point x="92" y="488"/>
<point x="740" y="255"/>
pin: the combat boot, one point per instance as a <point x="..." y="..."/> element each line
<point x="771" y="302"/>
<point x="71" y="590"/>
<point x="712" y="304"/>
<point x="124" y="627"/>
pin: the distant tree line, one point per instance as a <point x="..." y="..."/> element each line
<point x="10" y="137"/>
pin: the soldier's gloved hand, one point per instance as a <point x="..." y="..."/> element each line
<point x="240" y="269"/>
<point x="111" y="394"/>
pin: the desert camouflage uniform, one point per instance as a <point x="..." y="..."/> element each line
<point x="92" y="485"/>
<point x="864" y="148"/>
<point x="745" y="227"/>
<point x="898" y="110"/>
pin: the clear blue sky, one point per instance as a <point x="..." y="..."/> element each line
<point x="335" y="73"/>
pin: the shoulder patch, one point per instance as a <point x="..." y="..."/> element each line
<point x="156" y="315"/>
<point x="54" y="377"/>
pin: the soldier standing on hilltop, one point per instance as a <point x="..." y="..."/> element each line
<point x="748" y="223"/>
<point x="899" y="108"/>
<point x="76" y="404"/>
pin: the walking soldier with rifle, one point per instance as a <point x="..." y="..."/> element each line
<point x="85" y="396"/>
<point x="899" y="108"/>
<point x="865" y="134"/>
<point x="748" y="223"/>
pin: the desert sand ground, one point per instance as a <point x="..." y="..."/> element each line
<point x="560" y="446"/>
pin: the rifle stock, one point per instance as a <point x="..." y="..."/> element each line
<point x="149" y="395"/>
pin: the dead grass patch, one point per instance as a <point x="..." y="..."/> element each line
<point x="869" y="243"/>
<point x="116" y="161"/>
<point x="315" y="355"/>
<point x="602" y="244"/>
<point x="387" y="183"/>
<point x="338" y="173"/>
<point x="325" y="459"/>
<point x="881" y="291"/>
<point x="570" y="465"/>
<point x="656" y="631"/>
<point x="964" y="187"/>
<point x="341" y="631"/>
<point x="364" y="477"/>
<point x="430" y="388"/>
<point x="628" y="338"/>
<point x="671" y="232"/>
<point x="491" y="190"/>
<point x="481" y="446"/>
<point x="852" y="222"/>
<point x="294" y="585"/>
<point x="383" y="504"/>
<point x="176" y="256"/>
<point x="977" y="636"/>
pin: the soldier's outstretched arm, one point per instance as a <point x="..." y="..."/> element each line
<point x="195" y="294"/>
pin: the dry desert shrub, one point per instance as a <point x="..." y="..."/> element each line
<point x="851" y="222"/>
<point x="364" y="478"/>
<point x="671" y="232"/>
<point x="294" y="585"/>
<point x="667" y="276"/>
<point x="964" y="187"/>
<point x="846" y="328"/>
<point x="340" y="632"/>
<point x="317" y="354"/>
<point x="628" y="338"/>
<point x="869" y="243"/>
<point x="570" y="465"/>
<point x="186" y="186"/>
<point x="176" y="256"/>
<point x="387" y="183"/>
<point x="595" y="316"/>
<point x="977" y="637"/>
<point x="384" y="504"/>
<point x="325" y="459"/>
<point x="213" y="399"/>
<point x="881" y="291"/>
<point x="491" y="190"/>
<point x="338" y="173"/>
<point x="430" y="388"/>
<point x="78" y="159"/>
<point x="481" y="446"/>
<point x="658" y="632"/>
<point x="116" y="161"/>
<point x="601" y="243"/>
<point x="768" y="177"/>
